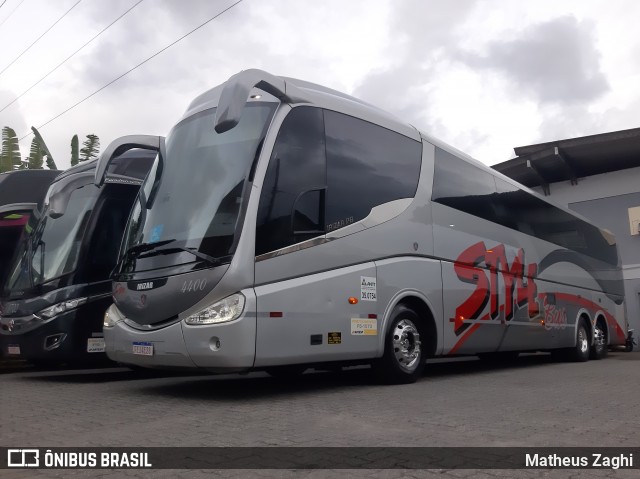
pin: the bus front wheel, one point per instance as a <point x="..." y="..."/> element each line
<point x="404" y="354"/>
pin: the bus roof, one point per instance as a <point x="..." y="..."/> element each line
<point x="25" y="186"/>
<point x="122" y="165"/>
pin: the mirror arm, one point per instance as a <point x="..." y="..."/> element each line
<point x="237" y="89"/>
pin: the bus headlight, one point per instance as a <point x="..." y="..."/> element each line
<point x="228" y="309"/>
<point x="112" y="317"/>
<point x="60" y="308"/>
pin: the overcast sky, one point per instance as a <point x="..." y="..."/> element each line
<point x="482" y="75"/>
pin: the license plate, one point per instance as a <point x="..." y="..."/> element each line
<point x="13" y="349"/>
<point x="96" y="345"/>
<point x="143" y="349"/>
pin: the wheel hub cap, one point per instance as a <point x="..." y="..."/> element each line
<point x="599" y="337"/>
<point x="584" y="344"/>
<point x="406" y="345"/>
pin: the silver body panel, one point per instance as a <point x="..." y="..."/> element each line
<point x="298" y="297"/>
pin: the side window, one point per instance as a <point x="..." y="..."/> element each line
<point x="367" y="166"/>
<point x="291" y="206"/>
<point x="524" y="212"/>
<point x="463" y="186"/>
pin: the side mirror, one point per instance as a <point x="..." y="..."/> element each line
<point x="118" y="147"/>
<point x="60" y="192"/>
<point x="236" y="92"/>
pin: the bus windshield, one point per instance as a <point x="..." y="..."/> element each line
<point x="199" y="192"/>
<point x="52" y="249"/>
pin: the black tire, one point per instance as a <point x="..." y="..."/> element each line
<point x="292" y="371"/>
<point x="599" y="348"/>
<point x="404" y="355"/>
<point x="580" y="352"/>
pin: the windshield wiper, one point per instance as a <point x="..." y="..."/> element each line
<point x="177" y="249"/>
<point x="142" y="247"/>
<point x="135" y="250"/>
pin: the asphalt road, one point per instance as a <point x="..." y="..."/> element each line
<point x="535" y="402"/>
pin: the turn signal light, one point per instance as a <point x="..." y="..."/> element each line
<point x="353" y="300"/>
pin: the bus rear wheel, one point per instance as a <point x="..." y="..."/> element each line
<point x="404" y="357"/>
<point x="598" y="349"/>
<point x="580" y="352"/>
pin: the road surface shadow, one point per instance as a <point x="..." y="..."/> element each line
<point x="251" y="387"/>
<point x="202" y="385"/>
<point x="86" y="375"/>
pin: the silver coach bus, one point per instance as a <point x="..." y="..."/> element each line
<point x="285" y="225"/>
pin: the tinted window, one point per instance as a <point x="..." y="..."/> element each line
<point x="463" y="186"/>
<point x="296" y="176"/>
<point x="522" y="211"/>
<point x="367" y="166"/>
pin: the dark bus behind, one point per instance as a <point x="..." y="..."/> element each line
<point x="20" y="193"/>
<point x="58" y="285"/>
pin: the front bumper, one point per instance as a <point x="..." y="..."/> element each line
<point x="223" y="347"/>
<point x="61" y="338"/>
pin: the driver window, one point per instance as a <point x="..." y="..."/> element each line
<point x="296" y="167"/>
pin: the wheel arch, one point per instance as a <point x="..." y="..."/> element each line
<point x="583" y="315"/>
<point x="419" y="303"/>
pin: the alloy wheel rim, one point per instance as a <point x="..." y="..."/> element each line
<point x="407" y="345"/>
<point x="599" y="338"/>
<point x="582" y="339"/>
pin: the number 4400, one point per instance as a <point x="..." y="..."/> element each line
<point x="194" y="285"/>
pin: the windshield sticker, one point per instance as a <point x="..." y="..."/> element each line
<point x="364" y="327"/>
<point x="367" y="288"/>
<point x="156" y="233"/>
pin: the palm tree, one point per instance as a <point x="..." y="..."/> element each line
<point x="90" y="148"/>
<point x="50" y="163"/>
<point x="36" y="155"/>
<point x="10" y="156"/>
<point x="75" y="155"/>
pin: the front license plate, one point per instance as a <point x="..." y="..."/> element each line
<point x="13" y="350"/>
<point x="143" y="349"/>
<point x="96" y="345"/>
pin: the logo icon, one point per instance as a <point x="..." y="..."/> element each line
<point x="23" y="457"/>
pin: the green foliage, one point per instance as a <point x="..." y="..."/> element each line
<point x="10" y="158"/>
<point x="50" y="163"/>
<point x="90" y="148"/>
<point x="75" y="154"/>
<point x="10" y="154"/>
<point x="36" y="155"/>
